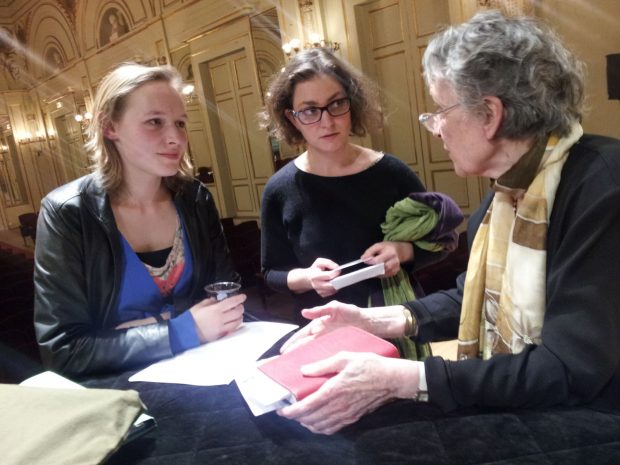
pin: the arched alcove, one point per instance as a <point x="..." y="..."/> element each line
<point x="113" y="23"/>
<point x="53" y="56"/>
<point x="94" y="21"/>
<point x="49" y="30"/>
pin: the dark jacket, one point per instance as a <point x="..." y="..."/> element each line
<point x="77" y="277"/>
<point x="578" y="361"/>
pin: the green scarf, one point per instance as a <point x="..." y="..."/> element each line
<point x="409" y="221"/>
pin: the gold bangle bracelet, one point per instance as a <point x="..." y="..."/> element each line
<point x="411" y="324"/>
<point x="408" y="321"/>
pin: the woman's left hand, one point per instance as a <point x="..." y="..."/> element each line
<point x="363" y="383"/>
<point x="391" y="253"/>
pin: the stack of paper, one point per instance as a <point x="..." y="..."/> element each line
<point x="278" y="381"/>
<point x="219" y="361"/>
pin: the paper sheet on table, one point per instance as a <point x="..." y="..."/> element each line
<point x="217" y="362"/>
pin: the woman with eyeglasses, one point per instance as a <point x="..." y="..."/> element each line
<point x="325" y="208"/>
<point x="536" y="313"/>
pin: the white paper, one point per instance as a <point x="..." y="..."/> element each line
<point x="347" y="265"/>
<point x="356" y="276"/>
<point x="260" y="392"/>
<point x="217" y="362"/>
<point x="49" y="379"/>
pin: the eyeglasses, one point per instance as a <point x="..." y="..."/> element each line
<point x="429" y="120"/>
<point x="311" y="115"/>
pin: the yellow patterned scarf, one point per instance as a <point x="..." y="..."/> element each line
<point x="504" y="297"/>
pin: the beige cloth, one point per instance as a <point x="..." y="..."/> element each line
<point x="63" y="426"/>
<point x="504" y="297"/>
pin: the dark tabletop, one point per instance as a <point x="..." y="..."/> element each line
<point x="213" y="425"/>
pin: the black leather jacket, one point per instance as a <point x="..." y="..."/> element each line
<point x="77" y="278"/>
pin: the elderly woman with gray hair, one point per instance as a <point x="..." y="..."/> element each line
<point x="536" y="313"/>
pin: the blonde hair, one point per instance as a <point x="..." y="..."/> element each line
<point x="110" y="104"/>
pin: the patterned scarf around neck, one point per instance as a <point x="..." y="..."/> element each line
<point x="504" y="297"/>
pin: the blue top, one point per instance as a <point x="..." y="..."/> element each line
<point x="139" y="297"/>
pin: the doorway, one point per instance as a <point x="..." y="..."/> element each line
<point x="243" y="151"/>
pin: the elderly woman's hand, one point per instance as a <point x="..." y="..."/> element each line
<point x="325" y="318"/>
<point x="363" y="383"/>
<point x="381" y="321"/>
<point x="390" y="253"/>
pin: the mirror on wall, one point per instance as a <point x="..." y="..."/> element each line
<point x="267" y="45"/>
<point x="181" y="60"/>
<point x="12" y="182"/>
<point x="70" y="145"/>
<point x="67" y="119"/>
<point x="269" y="60"/>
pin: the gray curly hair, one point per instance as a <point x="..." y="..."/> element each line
<point x="520" y="61"/>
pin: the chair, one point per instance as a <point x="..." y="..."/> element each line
<point x="243" y="240"/>
<point x="205" y="174"/>
<point x="244" y="243"/>
<point x="28" y="226"/>
<point x="13" y="260"/>
<point x="228" y="224"/>
<point x="442" y="275"/>
<point x="281" y="162"/>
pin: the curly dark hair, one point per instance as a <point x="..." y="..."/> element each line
<point x="366" y="112"/>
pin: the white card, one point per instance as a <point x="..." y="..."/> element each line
<point x="353" y="277"/>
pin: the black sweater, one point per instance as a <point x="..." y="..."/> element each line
<point x="305" y="216"/>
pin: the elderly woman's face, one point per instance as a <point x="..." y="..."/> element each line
<point x="461" y="132"/>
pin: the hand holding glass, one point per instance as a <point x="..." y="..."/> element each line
<point x="222" y="290"/>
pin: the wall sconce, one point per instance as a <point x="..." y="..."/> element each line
<point x="188" y="92"/>
<point x="84" y="119"/>
<point x="22" y="137"/>
<point x="314" y="41"/>
<point x="26" y="137"/>
<point x="152" y="61"/>
<point x="292" y="46"/>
